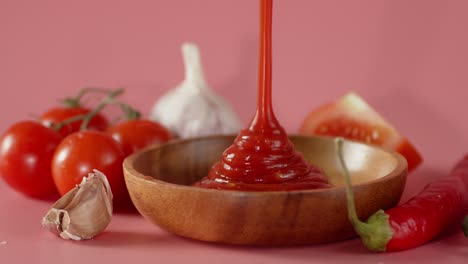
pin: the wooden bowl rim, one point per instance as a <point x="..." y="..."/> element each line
<point x="132" y="172"/>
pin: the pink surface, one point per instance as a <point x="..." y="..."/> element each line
<point x="407" y="58"/>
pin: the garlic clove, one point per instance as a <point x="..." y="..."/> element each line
<point x="193" y="108"/>
<point x="83" y="212"/>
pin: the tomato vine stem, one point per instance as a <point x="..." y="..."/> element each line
<point x="76" y="100"/>
<point x="128" y="111"/>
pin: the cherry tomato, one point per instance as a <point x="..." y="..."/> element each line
<point x="26" y="151"/>
<point x="351" y="117"/>
<point x="59" y="114"/>
<point x="81" y="152"/>
<point x="134" y="135"/>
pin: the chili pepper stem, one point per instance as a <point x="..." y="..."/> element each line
<point x="376" y="232"/>
<point x="465" y="226"/>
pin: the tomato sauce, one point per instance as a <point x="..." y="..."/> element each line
<point x="262" y="158"/>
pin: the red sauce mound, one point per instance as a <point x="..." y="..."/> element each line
<point x="263" y="162"/>
<point x="262" y="158"/>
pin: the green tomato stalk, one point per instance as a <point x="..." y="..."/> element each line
<point x="129" y="112"/>
<point x="76" y="100"/>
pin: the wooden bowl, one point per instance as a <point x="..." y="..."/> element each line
<point x="159" y="178"/>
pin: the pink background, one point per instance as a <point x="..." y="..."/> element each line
<point x="407" y="58"/>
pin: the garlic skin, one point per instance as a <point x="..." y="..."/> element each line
<point x="83" y="212"/>
<point x="193" y="109"/>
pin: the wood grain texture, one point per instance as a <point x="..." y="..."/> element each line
<point x="158" y="180"/>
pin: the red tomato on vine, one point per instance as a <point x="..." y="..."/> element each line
<point x="81" y="152"/>
<point x="134" y="135"/>
<point x="59" y="114"/>
<point x="26" y="151"/>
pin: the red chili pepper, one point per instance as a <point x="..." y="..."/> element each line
<point x="419" y="220"/>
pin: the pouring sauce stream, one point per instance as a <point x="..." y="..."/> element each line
<point x="262" y="158"/>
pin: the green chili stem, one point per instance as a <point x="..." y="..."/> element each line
<point x="349" y="192"/>
<point x="376" y="232"/>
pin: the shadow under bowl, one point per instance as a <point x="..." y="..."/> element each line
<point x="159" y="178"/>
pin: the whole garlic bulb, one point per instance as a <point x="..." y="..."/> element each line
<point x="192" y="108"/>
